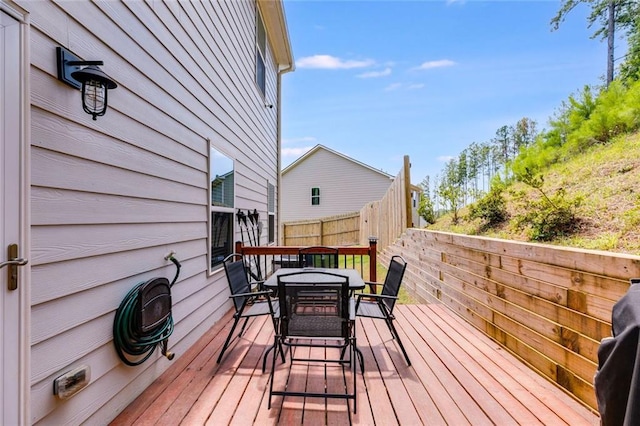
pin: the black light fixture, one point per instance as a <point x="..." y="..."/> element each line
<point x="87" y="76"/>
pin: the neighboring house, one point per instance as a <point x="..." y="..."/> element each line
<point x="324" y="182"/>
<point x="95" y="206"/>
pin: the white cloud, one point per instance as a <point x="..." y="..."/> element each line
<point x="404" y="86"/>
<point x="435" y="64"/>
<point x="295" y="152"/>
<point x="393" y="86"/>
<point x="304" y="139"/>
<point x="331" y="62"/>
<point x="445" y="158"/>
<point x="375" y="74"/>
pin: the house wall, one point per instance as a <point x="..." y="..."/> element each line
<point x="110" y="198"/>
<point x="345" y="187"/>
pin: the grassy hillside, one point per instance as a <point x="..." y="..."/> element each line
<point x="605" y="180"/>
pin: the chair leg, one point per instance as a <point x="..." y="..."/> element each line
<point x="264" y="358"/>
<point x="244" y="325"/>
<point x="360" y="358"/>
<point x="355" y="352"/>
<point x="226" y="343"/>
<point x="275" y="330"/>
<point x="275" y="355"/>
<point x="276" y="344"/>
<point x="395" y="334"/>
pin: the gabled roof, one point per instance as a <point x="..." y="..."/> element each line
<point x="319" y="147"/>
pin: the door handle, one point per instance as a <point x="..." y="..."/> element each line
<point x="13" y="263"/>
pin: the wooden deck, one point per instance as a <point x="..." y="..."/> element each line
<point x="458" y="376"/>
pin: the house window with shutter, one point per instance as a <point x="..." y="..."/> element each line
<point x="315" y="196"/>
<point x="271" y="212"/>
<point x="261" y="50"/>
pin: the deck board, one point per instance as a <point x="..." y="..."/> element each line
<point x="458" y="376"/>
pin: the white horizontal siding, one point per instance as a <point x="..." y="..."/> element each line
<point x="110" y="198"/>
<point x="345" y="186"/>
<point x="59" y="243"/>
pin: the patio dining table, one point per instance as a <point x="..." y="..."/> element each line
<point x="355" y="279"/>
<point x="356" y="282"/>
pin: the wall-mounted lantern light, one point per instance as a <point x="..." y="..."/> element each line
<point x="87" y="76"/>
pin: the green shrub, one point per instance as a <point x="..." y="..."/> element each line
<point x="491" y="209"/>
<point x="547" y="217"/>
<point x="425" y="209"/>
<point x="616" y="111"/>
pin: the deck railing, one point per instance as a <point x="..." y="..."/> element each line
<point x="265" y="259"/>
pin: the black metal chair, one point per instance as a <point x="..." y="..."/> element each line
<point x="371" y="305"/>
<point x="312" y="322"/>
<point x="318" y="257"/>
<point x="247" y="303"/>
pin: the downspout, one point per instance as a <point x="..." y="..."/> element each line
<point x="281" y="71"/>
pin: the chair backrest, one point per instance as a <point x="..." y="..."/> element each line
<point x="314" y="304"/>
<point x="318" y="257"/>
<point x="392" y="281"/>
<point x="236" y="273"/>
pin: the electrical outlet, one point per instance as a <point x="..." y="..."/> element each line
<point x="72" y="382"/>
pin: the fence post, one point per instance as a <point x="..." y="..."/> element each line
<point x="407" y="197"/>
<point x="373" y="262"/>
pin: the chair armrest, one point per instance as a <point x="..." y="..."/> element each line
<point x="252" y="294"/>
<point x="371" y="284"/>
<point x="375" y="296"/>
<point x="259" y="284"/>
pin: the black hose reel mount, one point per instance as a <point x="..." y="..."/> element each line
<point x="143" y="320"/>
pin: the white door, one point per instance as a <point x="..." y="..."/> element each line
<point x="12" y="216"/>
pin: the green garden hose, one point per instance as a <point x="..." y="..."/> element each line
<point x="129" y="338"/>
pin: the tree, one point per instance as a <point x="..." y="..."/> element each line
<point x="630" y="68"/>
<point x="425" y="209"/>
<point x="523" y="134"/>
<point x="451" y="190"/>
<point x="461" y="177"/>
<point x="611" y="15"/>
<point x="474" y="165"/>
<point x="502" y="142"/>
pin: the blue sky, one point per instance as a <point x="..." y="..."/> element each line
<point x="377" y="80"/>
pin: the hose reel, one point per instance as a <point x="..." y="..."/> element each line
<point x="143" y="320"/>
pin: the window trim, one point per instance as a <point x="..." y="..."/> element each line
<point x="271" y="213"/>
<point x="315" y="196"/>
<point x="261" y="54"/>
<point x="221" y="209"/>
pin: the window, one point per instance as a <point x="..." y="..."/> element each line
<point x="315" y="196"/>
<point x="271" y="211"/>
<point x="261" y="49"/>
<point x="221" y="177"/>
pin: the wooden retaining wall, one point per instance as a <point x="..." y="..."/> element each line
<point x="548" y="305"/>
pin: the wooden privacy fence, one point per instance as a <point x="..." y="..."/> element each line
<point x="389" y="217"/>
<point x="385" y="219"/>
<point x="548" y="305"/>
<point x="340" y="230"/>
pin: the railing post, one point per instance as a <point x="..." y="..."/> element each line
<point x="238" y="247"/>
<point x="373" y="261"/>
